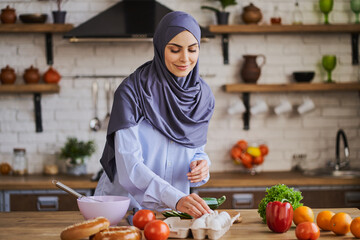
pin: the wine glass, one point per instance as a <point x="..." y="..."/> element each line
<point x="329" y="64"/>
<point x="355" y="7"/>
<point x="326" y="7"/>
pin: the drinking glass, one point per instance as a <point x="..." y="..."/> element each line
<point x="355" y="7"/>
<point x="329" y="64"/>
<point x="326" y="7"/>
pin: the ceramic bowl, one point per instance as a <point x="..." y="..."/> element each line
<point x="113" y="208"/>
<point x="303" y="76"/>
<point x="33" y="18"/>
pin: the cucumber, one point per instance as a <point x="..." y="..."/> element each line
<point x="213" y="203"/>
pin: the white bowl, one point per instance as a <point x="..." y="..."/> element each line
<point x="113" y="208"/>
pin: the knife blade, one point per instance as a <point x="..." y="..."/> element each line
<point x="131" y="216"/>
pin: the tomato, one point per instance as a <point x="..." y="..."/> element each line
<point x="307" y="231"/>
<point x="264" y="149"/>
<point x="142" y="217"/>
<point x="246" y="160"/>
<point x="156" y="230"/>
<point x="242" y="144"/>
<point x="235" y="152"/>
<point x="258" y="160"/>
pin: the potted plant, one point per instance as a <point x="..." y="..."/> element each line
<point x="59" y="15"/>
<point x="75" y="152"/>
<point x="221" y="15"/>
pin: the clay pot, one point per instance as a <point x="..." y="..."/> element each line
<point x="251" y="14"/>
<point x="31" y="75"/>
<point x="8" y="15"/>
<point x="7" y="75"/>
<point x="251" y="71"/>
<point x="51" y="76"/>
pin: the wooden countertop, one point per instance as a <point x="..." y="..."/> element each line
<point x="238" y="179"/>
<point x="48" y="225"/>
<point x="32" y="182"/>
<point x="224" y="179"/>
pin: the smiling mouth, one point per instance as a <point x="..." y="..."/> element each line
<point x="182" y="68"/>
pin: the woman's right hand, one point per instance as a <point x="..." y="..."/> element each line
<point x="193" y="205"/>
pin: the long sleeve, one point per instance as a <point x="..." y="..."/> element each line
<point x="201" y="155"/>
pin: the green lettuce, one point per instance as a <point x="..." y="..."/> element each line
<point x="278" y="193"/>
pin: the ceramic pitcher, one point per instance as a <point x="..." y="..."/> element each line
<point x="250" y="71"/>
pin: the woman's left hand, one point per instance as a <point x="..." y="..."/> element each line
<point x="199" y="171"/>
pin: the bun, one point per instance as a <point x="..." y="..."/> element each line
<point x="120" y="232"/>
<point x="84" y="229"/>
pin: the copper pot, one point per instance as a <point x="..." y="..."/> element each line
<point x="7" y="75"/>
<point x="251" y="14"/>
<point x="8" y="15"/>
<point x="31" y="75"/>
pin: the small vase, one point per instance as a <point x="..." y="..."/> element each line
<point x="76" y="170"/>
<point x="59" y="16"/>
<point x="222" y="18"/>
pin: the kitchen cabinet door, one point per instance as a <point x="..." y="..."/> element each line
<point x="41" y="200"/>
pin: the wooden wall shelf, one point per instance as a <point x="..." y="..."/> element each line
<point x="29" y="88"/>
<point x="35" y="28"/>
<point x="331" y="28"/>
<point x="294" y="87"/>
<point x="225" y="30"/>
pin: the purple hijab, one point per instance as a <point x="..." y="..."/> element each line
<point x="180" y="108"/>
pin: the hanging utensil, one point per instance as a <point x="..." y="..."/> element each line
<point x="72" y="191"/>
<point x="95" y="123"/>
<point x="107" y="116"/>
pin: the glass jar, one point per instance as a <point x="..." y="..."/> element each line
<point x="275" y="19"/>
<point x="20" y="162"/>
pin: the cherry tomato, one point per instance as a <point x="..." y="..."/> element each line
<point x="142" y="217"/>
<point x="156" y="230"/>
<point x="242" y="144"/>
<point x="264" y="149"/>
<point x="246" y="160"/>
<point x="307" y="231"/>
<point x="258" y="160"/>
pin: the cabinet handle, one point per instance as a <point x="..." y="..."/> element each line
<point x="242" y="200"/>
<point x="45" y="203"/>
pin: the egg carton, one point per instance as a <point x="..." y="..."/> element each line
<point x="180" y="228"/>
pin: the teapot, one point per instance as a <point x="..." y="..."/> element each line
<point x="251" y="71"/>
<point x="51" y="76"/>
<point x="7" y="75"/>
<point x="251" y="14"/>
<point x="8" y="15"/>
<point x="31" y="75"/>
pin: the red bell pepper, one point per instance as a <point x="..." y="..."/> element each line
<point x="279" y="216"/>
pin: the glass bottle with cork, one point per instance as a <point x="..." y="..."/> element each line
<point x="275" y="19"/>
<point x="297" y="17"/>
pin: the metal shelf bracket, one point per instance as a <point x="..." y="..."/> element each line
<point x="37" y="108"/>
<point x="355" y="48"/>
<point x="49" y="49"/>
<point x="225" y="47"/>
<point x="246" y="114"/>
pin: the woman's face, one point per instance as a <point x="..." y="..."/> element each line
<point x="181" y="54"/>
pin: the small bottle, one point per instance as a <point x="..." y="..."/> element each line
<point x="297" y="15"/>
<point x="275" y="19"/>
<point x="20" y="163"/>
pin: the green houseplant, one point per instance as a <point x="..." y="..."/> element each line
<point x="221" y="15"/>
<point x="75" y="152"/>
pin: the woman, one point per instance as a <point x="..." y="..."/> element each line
<point x="158" y="127"/>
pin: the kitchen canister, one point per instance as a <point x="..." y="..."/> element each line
<point x="31" y="75"/>
<point x="7" y="75"/>
<point x="19" y="162"/>
<point x="8" y="15"/>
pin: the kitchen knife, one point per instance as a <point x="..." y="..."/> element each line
<point x="131" y="216"/>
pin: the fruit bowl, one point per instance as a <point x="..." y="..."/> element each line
<point x="303" y="76"/>
<point x="33" y="18"/>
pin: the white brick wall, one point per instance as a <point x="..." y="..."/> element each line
<point x="68" y="113"/>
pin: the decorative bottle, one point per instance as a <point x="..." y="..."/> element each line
<point x="297" y="15"/>
<point x="275" y="19"/>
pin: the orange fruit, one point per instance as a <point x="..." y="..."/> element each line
<point x="355" y="227"/>
<point x="340" y="223"/>
<point x="323" y="220"/>
<point x="5" y="168"/>
<point x="303" y="214"/>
